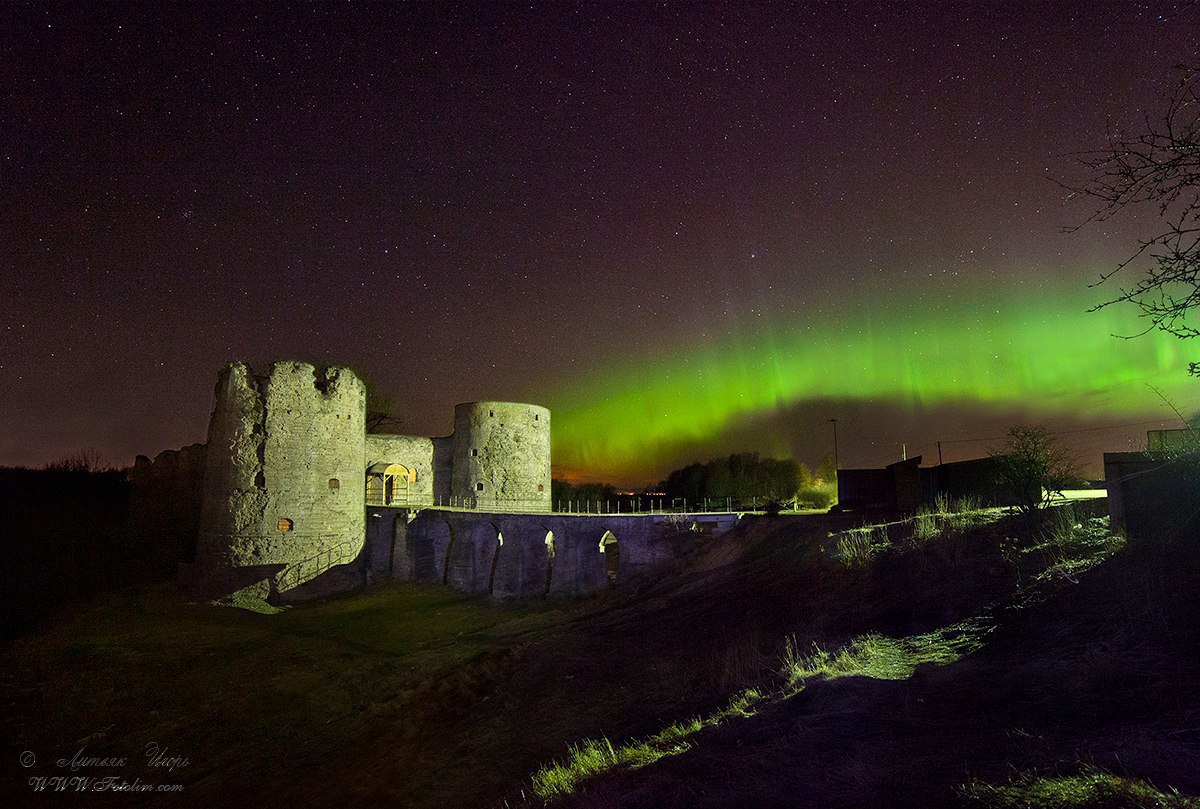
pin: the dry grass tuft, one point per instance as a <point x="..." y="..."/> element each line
<point x="1091" y="787"/>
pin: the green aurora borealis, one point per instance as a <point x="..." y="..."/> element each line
<point x="1040" y="353"/>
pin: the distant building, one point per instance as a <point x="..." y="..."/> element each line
<point x="905" y="486"/>
<point x="1185" y="440"/>
<point x="1156" y="492"/>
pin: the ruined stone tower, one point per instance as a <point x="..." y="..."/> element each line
<point x="291" y="480"/>
<point x="501" y="455"/>
<point x="284" y="485"/>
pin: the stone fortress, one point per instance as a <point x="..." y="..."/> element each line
<point x="298" y="500"/>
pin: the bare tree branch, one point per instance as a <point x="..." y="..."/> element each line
<point x="1157" y="167"/>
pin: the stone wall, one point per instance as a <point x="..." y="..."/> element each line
<point x="414" y="454"/>
<point x="521" y="555"/>
<point x="502" y="456"/>
<point x="284" y="476"/>
<point x="443" y="468"/>
<point x="1153" y="495"/>
<point x="286" y="470"/>
<point x="166" y="494"/>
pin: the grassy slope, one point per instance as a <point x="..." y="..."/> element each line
<point x="1096" y="671"/>
<point x="416" y="696"/>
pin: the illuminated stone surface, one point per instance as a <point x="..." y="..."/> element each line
<point x="275" y="441"/>
<point x="289" y="467"/>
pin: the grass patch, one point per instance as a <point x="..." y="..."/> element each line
<point x="948" y="514"/>
<point x="857" y="547"/>
<point x="884" y="658"/>
<point x="1072" y="544"/>
<point x="596" y="756"/>
<point x="870" y="655"/>
<point x="815" y="497"/>
<point x="1077" y="547"/>
<point x="1092" y="787"/>
<point x="945" y="517"/>
<point x="241" y="693"/>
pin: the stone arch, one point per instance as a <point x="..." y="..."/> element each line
<point x="550" y="551"/>
<point x="495" y="559"/>
<point x="522" y="563"/>
<point x="611" y="548"/>
<point x="388" y="484"/>
<point x="443" y="550"/>
<point x="395" y="484"/>
<point x="469" y="563"/>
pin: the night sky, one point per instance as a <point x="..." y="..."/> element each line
<point x="686" y="228"/>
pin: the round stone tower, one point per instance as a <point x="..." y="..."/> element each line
<point x="501" y="456"/>
<point x="284" y="484"/>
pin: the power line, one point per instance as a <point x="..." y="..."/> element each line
<point x="1060" y="432"/>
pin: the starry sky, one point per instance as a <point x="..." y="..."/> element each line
<point x="687" y="228"/>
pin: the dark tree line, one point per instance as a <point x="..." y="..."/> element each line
<point x="745" y="477"/>
<point x="562" y="493"/>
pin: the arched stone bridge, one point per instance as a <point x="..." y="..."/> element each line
<point x="514" y="555"/>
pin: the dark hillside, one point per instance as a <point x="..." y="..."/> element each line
<point x="1098" y="674"/>
<point x="976" y="647"/>
<point x="63" y="538"/>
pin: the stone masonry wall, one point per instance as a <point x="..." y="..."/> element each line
<point x="521" y="555"/>
<point x="443" y="468"/>
<point x="284" y="478"/>
<point x="412" y="452"/>
<point x="502" y="456"/>
<point x="165" y="504"/>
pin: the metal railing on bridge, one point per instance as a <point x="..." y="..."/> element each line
<point x="624" y="505"/>
<point x="665" y="505"/>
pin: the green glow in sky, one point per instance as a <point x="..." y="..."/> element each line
<point x="1041" y="353"/>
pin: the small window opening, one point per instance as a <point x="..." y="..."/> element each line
<point x="474" y="453"/>
<point x="478" y="487"/>
<point x="541" y="487"/>
<point x="491" y="412"/>
<point x="284" y="525"/>
<point x="334" y="484"/>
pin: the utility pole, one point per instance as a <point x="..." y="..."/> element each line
<point x="835" y="448"/>
<point x="939" y="453"/>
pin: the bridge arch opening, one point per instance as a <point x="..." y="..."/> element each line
<point x="611" y="548"/>
<point x="495" y="560"/>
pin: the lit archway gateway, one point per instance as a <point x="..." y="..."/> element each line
<point x="387" y="484"/>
